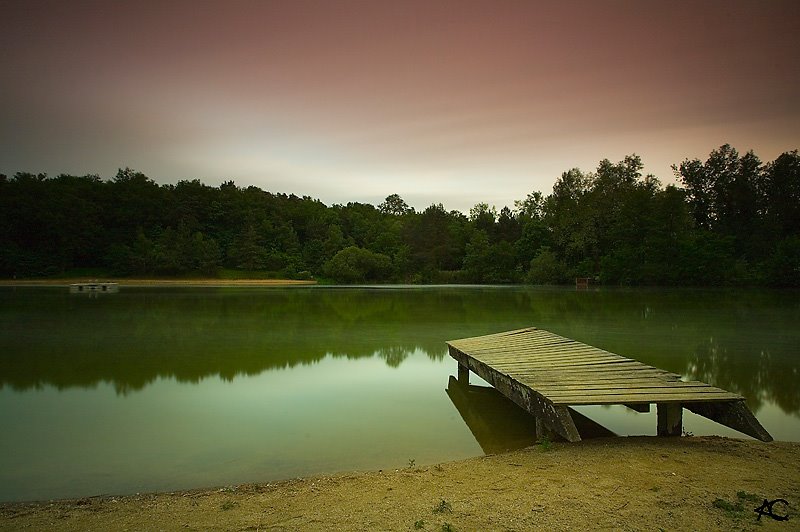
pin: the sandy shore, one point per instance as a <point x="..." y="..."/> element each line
<point x="637" y="483"/>
<point x="159" y="282"/>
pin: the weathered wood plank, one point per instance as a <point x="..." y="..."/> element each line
<point x="641" y="398"/>
<point x="627" y="385"/>
<point x="577" y="374"/>
<point x="544" y="353"/>
<point x="664" y="390"/>
<point x="734" y="415"/>
<point x="528" y="349"/>
<point x="514" y="344"/>
<point x="535" y="364"/>
<point x="535" y="379"/>
<point x="553" y="357"/>
<point x="638" y="370"/>
<point x="528" y="341"/>
<point x="545" y="363"/>
<point x="593" y="383"/>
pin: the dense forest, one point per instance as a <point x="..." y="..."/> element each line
<point x="732" y="220"/>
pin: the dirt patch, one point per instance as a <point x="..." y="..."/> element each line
<point x="638" y="483"/>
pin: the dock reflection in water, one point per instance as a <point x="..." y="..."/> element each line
<point x="499" y="425"/>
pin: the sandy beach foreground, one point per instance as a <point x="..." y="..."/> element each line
<point x="636" y="483"/>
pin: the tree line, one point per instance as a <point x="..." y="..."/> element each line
<point x="731" y="220"/>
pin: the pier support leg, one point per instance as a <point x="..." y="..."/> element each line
<point x="670" y="419"/>
<point x="733" y="414"/>
<point x="463" y="374"/>
<point x="556" y="419"/>
<point x="543" y="431"/>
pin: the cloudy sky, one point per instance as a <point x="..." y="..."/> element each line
<point x="439" y="101"/>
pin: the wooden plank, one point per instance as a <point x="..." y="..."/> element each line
<point x="494" y="335"/>
<point x="578" y="373"/>
<point x="641" y="398"/>
<point x="632" y="365"/>
<point x="734" y="415"/>
<point x="537" y="379"/>
<point x="508" y="335"/>
<point x="594" y="370"/>
<point x="576" y="357"/>
<point x="529" y="344"/>
<point x="554" y="372"/>
<point x="501" y="343"/>
<point x="531" y="338"/>
<point x="524" y="350"/>
<point x="539" y="353"/>
<point x="637" y="383"/>
<point x="581" y="384"/>
<point x="586" y="367"/>
<point x="596" y="366"/>
<point x="630" y="391"/>
<point x="554" y="356"/>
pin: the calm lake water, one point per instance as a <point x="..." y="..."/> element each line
<point x="162" y="389"/>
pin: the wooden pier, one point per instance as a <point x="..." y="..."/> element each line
<point x="93" y="287"/>
<point x="545" y="374"/>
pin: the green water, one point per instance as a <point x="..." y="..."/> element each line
<point x="163" y="389"/>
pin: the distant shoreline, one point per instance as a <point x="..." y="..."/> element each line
<point x="158" y="282"/>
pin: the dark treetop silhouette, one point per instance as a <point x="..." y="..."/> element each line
<point x="734" y="221"/>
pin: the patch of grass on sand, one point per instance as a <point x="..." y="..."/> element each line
<point x="737" y="510"/>
<point x="229" y="505"/>
<point x="544" y="443"/>
<point x="734" y="510"/>
<point x="442" y="507"/>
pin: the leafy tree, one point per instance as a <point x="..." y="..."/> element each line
<point x="483" y="217"/>
<point x="358" y="265"/>
<point x="545" y="268"/>
<point x="781" y="191"/>
<point x="478" y="260"/>
<point x="508" y="227"/>
<point x="394" y="205"/>
<point x="783" y="266"/>
<point x="248" y="251"/>
<point x="532" y="207"/>
<point x="436" y="239"/>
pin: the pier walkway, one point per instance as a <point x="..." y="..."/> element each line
<point x="545" y="374"/>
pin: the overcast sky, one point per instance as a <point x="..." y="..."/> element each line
<point x="455" y="102"/>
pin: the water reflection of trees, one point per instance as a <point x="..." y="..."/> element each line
<point x="745" y="366"/>
<point x="742" y="341"/>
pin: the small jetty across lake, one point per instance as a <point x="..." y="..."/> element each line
<point x="93" y="287"/>
<point x="546" y="374"/>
